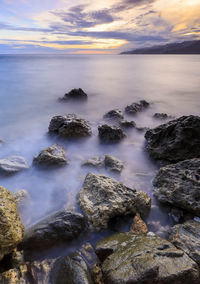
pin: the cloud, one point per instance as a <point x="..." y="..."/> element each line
<point x="5" y="26"/>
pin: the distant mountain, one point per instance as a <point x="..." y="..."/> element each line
<point x="186" y="47"/>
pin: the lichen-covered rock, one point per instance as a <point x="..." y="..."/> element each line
<point x="61" y="226"/>
<point x="113" y="164"/>
<point x="127" y="123"/>
<point x="75" y="95"/>
<point x="114" y="114"/>
<point x="176" y="140"/>
<point x="13" y="164"/>
<point x="11" y="227"/>
<point x="69" y="126"/>
<point x="136" y="107"/>
<point x="102" y="198"/>
<point x="149" y="259"/>
<point x="51" y="156"/>
<point x="179" y="185"/>
<point x="138" y="226"/>
<point x="109" y="133"/>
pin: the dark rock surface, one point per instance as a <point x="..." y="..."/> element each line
<point x="161" y="115"/>
<point x="109" y="133"/>
<point x="13" y="164"/>
<point x="176" y="140"/>
<point x="127" y="123"/>
<point x="114" y="114"/>
<point x="136" y="107"/>
<point x="75" y="95"/>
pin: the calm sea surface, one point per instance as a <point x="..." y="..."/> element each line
<point x="29" y="90"/>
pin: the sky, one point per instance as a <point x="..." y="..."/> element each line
<point x="90" y="27"/>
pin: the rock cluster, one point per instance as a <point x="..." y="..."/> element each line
<point x="136" y="107"/>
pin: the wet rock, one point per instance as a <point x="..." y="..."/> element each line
<point x="51" y="156"/>
<point x="13" y="164"/>
<point x="75" y="95"/>
<point x="102" y="198"/>
<point x="61" y="226"/>
<point x="138" y="226"/>
<point x="109" y="133"/>
<point x="114" y="114"/>
<point x="187" y="238"/>
<point x="161" y="115"/>
<point x="149" y="259"/>
<point x="176" y="140"/>
<point x="96" y="162"/>
<point x="69" y="126"/>
<point x="127" y="124"/>
<point x="11" y="227"/>
<point x="113" y="164"/>
<point x="179" y="185"/>
<point x="137" y="107"/>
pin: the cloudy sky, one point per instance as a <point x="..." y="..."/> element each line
<point x="91" y="26"/>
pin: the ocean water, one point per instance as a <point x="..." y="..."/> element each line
<point x="30" y="86"/>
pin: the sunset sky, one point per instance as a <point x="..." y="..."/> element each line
<point x="89" y="26"/>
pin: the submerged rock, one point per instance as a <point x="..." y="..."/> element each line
<point x="69" y="126"/>
<point x="137" y="107"/>
<point x="75" y="94"/>
<point x="138" y="226"/>
<point x="13" y="164"/>
<point x="127" y="124"/>
<point x="149" y="259"/>
<point x="102" y="198"/>
<point x="179" y="185"/>
<point x="11" y="227"/>
<point x="61" y="226"/>
<point x="51" y="156"/>
<point x="114" y="114"/>
<point x="159" y="115"/>
<point x="21" y="198"/>
<point x="96" y="162"/>
<point x="113" y="164"/>
<point x="176" y="140"/>
<point x="109" y="133"/>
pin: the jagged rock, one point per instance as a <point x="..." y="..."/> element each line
<point x="13" y="164"/>
<point x="187" y="238"/>
<point x="127" y="124"/>
<point x="51" y="156"/>
<point x="114" y="114"/>
<point x="109" y="133"/>
<point x="96" y="162"/>
<point x="179" y="185"/>
<point x="138" y="226"/>
<point x="176" y="140"/>
<point x="102" y="198"/>
<point x="113" y="164"/>
<point x="75" y="94"/>
<point x="149" y="259"/>
<point x="137" y="107"/>
<point x="161" y="115"/>
<point x="61" y="226"/>
<point x="69" y="126"/>
<point x="11" y="227"/>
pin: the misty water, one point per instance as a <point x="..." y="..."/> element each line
<point x="29" y="90"/>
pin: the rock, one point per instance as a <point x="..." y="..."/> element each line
<point x="75" y="94"/>
<point x="61" y="226"/>
<point x="98" y="275"/>
<point x="176" y="140"/>
<point x="113" y="164"/>
<point x="149" y="259"/>
<point x="127" y="124"/>
<point x="21" y="198"/>
<point x="137" y="107"/>
<point x="179" y="185"/>
<point x="13" y="164"/>
<point x="96" y="162"/>
<point x="51" y="156"/>
<point x="138" y="226"/>
<point x="11" y="227"/>
<point x="69" y="126"/>
<point x="102" y="198"/>
<point x="187" y="238"/>
<point x="161" y="115"/>
<point x="114" y="114"/>
<point x="109" y="133"/>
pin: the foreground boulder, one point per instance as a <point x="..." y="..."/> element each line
<point x="11" y="228"/>
<point x="75" y="95"/>
<point x="61" y="226"/>
<point x="149" y="259"/>
<point x="187" y="238"/>
<point x="179" y="185"/>
<point x="13" y="164"/>
<point x="176" y="140"/>
<point x="114" y="114"/>
<point x="69" y="126"/>
<point x="109" y="133"/>
<point x="51" y="156"/>
<point x="136" y="107"/>
<point x="102" y="198"/>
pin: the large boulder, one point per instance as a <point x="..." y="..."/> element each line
<point x="51" y="156"/>
<point x="61" y="226"/>
<point x="11" y="227"/>
<point x="69" y="126"/>
<point x="187" y="238"/>
<point x="149" y="259"/>
<point x="176" y="140"/>
<point x="75" y="95"/>
<point x="179" y="185"/>
<point x="102" y="198"/>
<point x="109" y="133"/>
<point x="13" y="164"/>
<point x="136" y="107"/>
<point x="114" y="114"/>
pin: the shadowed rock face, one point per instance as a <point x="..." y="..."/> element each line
<point x="148" y="259"/>
<point x="69" y="126"/>
<point x="12" y="165"/>
<point x="109" y="133"/>
<point x="75" y="95"/>
<point x="102" y="198"/>
<point x="179" y="185"/>
<point x="176" y="140"/>
<point x="137" y="107"/>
